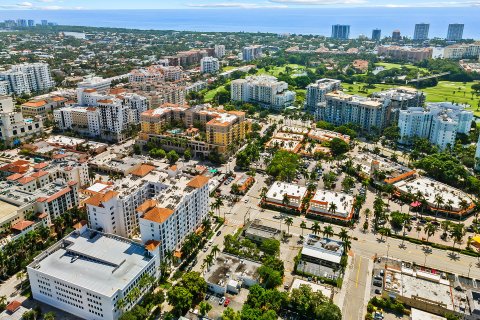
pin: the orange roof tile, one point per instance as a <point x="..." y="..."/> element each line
<point x="99" y="198"/>
<point x="39" y="174"/>
<point x="148" y="204"/>
<point x="26" y="180"/>
<point x="151" y="244"/>
<point x="158" y="215"/>
<point x="13" y="306"/>
<point x="22" y="225"/>
<point x="90" y="90"/>
<point x="41" y="165"/>
<point x="57" y="99"/>
<point x="42" y="215"/>
<point x="14" y="177"/>
<point x="400" y="177"/>
<point x="105" y="101"/>
<point x="198" y="182"/>
<point x="143" y="170"/>
<point x="55" y="195"/>
<point x="35" y="104"/>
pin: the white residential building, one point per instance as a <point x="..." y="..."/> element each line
<point x="156" y="73"/>
<point x="341" y="108"/>
<point x="89" y="273"/>
<point x="462" y="51"/>
<point x="265" y="90"/>
<point x="252" y="52"/>
<point x="13" y="127"/>
<point x="27" y="78"/>
<point x="286" y="194"/>
<point x="316" y="93"/>
<point x="438" y="122"/>
<point x="209" y="65"/>
<point x="149" y="199"/>
<point x="174" y="213"/>
<point x="219" y="51"/>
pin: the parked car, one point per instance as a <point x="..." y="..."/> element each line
<point x="222" y="301"/>
<point x="378" y="291"/>
<point x="377" y="283"/>
<point x="219" y="233"/>
<point x="226" y="303"/>
<point x="207" y="296"/>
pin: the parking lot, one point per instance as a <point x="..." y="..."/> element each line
<point x="236" y="302"/>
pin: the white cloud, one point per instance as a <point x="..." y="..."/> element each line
<point x="241" y="5"/>
<point x="31" y="6"/>
<point x="320" y="2"/>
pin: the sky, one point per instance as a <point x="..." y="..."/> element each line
<point x="209" y="4"/>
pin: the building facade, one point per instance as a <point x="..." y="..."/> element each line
<point x="462" y="51"/>
<point x="264" y="90"/>
<point x="27" y="78"/>
<point x="316" y="93"/>
<point x="219" y="51"/>
<point x="376" y="35"/>
<point x="405" y="53"/>
<point x="251" y="53"/>
<point x="209" y="65"/>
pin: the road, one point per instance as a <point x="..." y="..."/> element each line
<point x="356" y="286"/>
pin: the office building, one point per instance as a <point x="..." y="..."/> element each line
<point x="219" y="51"/>
<point x="340" y="32"/>
<point x="376" y="35"/>
<point x="405" y="53"/>
<point x="396" y="35"/>
<point x="209" y="65"/>
<point x="42" y="107"/>
<point x="222" y="129"/>
<point x="44" y="23"/>
<point x="14" y="128"/>
<point x="462" y="51"/>
<point x="27" y="78"/>
<point x="341" y="108"/>
<point x="438" y="122"/>
<point x="31" y="23"/>
<point x="21" y="23"/>
<point x="93" y="275"/>
<point x="455" y="32"/>
<point x="421" y="31"/>
<point x="252" y="52"/>
<point x="264" y="90"/>
<point x="316" y="93"/>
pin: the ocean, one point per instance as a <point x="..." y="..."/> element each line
<point x="316" y="21"/>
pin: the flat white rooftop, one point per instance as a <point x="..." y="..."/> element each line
<point x="279" y="189"/>
<point x="323" y="199"/>
<point x="94" y="261"/>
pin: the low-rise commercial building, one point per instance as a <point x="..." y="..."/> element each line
<point x="93" y="275"/>
<point x="331" y="204"/>
<point x="287" y="195"/>
<point x="258" y="232"/>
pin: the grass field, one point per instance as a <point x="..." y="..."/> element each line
<point x="448" y="91"/>
<point x="275" y="71"/>
<point x="228" y="68"/>
<point x="211" y="94"/>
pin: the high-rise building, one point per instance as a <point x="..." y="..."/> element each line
<point x="27" y="78"/>
<point x="252" y="52"/>
<point x="209" y="65"/>
<point x="219" y="51"/>
<point x="376" y="35"/>
<point x="21" y="23"/>
<point x="438" y="122"/>
<point x="341" y="32"/>
<point x="88" y="273"/>
<point x="400" y="98"/>
<point x="44" y="23"/>
<point x="316" y="93"/>
<point x="421" y="31"/>
<point x="265" y="90"/>
<point x="31" y="23"/>
<point x="396" y="35"/>
<point x="455" y="31"/>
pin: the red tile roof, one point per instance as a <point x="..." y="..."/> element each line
<point x="22" y="225"/>
<point x="143" y="170"/>
<point x="198" y="182"/>
<point x="151" y="244"/>
<point x="40" y="166"/>
<point x="99" y="198"/>
<point x="13" y="306"/>
<point x="158" y="215"/>
<point x="39" y="174"/>
<point x="14" y="177"/>
<point x="25" y="180"/>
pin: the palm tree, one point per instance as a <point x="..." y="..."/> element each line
<point x="332" y="208"/>
<point x="445" y="225"/>
<point x="209" y="261"/>
<point x="457" y="233"/>
<point x="343" y="234"/>
<point x="316" y="229"/>
<point x="285" y="200"/>
<point x="303" y="225"/>
<point x="328" y="232"/>
<point x="288" y="222"/>
<point x="347" y="245"/>
<point x="438" y="203"/>
<point x="263" y="193"/>
<point x="215" y="250"/>
<point x="219" y="204"/>
<point x="206" y="224"/>
<point x="430" y="229"/>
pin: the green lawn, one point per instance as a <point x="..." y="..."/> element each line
<point x="389" y="66"/>
<point x="456" y="92"/>
<point x="228" y="68"/>
<point x="275" y="71"/>
<point x="211" y="94"/>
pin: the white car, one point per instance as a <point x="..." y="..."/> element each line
<point x="222" y="301"/>
<point x="246" y="200"/>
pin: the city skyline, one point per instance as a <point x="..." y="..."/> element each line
<point x="210" y="4"/>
